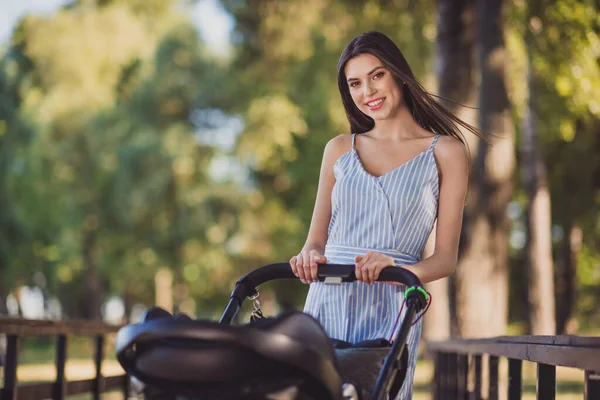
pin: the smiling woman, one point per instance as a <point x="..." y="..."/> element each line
<point x="381" y="189"/>
<point x="377" y="78"/>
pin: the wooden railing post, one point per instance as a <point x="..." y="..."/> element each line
<point x="60" y="385"/>
<point x="98" y="387"/>
<point x="437" y="375"/>
<point x="477" y="359"/>
<point x="514" y="379"/>
<point x="9" y="392"/>
<point x="493" y="382"/>
<point x="445" y="376"/>
<point x="591" y="388"/>
<point x="463" y="373"/>
<point x="546" y="382"/>
<point x="442" y="377"/>
<point x="126" y="387"/>
<point x="452" y="366"/>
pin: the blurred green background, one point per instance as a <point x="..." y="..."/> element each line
<point x="154" y="151"/>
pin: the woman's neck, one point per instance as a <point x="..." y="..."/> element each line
<point x="399" y="126"/>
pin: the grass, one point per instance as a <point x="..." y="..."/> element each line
<point x="104" y="396"/>
<point x="36" y="349"/>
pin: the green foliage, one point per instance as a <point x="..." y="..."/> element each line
<point x="563" y="43"/>
<point x="108" y="90"/>
<point x="110" y="111"/>
<point x="588" y="276"/>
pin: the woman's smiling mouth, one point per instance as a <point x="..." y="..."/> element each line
<point x="375" y="104"/>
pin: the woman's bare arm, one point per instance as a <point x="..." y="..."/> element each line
<point x="304" y="264"/>
<point x="452" y="160"/>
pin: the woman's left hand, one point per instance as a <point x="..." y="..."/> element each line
<point x="370" y="265"/>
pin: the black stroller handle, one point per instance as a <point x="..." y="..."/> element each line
<point x="344" y="271"/>
<point x="330" y="273"/>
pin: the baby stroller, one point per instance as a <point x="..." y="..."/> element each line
<point x="287" y="357"/>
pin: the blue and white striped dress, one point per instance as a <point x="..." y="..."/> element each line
<point x="392" y="214"/>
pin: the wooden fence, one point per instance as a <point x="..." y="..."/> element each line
<point x="15" y="329"/>
<point x="455" y="359"/>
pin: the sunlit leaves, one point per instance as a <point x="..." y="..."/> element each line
<point x="81" y="55"/>
<point x="109" y="87"/>
<point x="282" y="43"/>
<point x="271" y="125"/>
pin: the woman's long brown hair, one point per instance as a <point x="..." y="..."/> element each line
<point x="428" y="113"/>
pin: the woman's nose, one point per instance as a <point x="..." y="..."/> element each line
<point x="369" y="90"/>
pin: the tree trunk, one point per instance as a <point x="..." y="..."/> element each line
<point x="93" y="280"/>
<point x="163" y="284"/>
<point x="456" y="83"/>
<point x="541" y="317"/>
<point x="128" y="303"/>
<point x="482" y="276"/>
<point x="3" y="286"/>
<point x="176" y="248"/>
<point x="566" y="323"/>
<point x="455" y="57"/>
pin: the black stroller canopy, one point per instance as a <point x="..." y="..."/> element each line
<point x="193" y="353"/>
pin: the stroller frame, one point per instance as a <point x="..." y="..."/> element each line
<point x="246" y="288"/>
<point x="416" y="300"/>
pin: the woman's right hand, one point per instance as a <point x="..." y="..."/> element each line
<point x="304" y="265"/>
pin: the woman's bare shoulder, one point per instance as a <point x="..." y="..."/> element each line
<point x="338" y="146"/>
<point x="450" y="149"/>
<point x="451" y="157"/>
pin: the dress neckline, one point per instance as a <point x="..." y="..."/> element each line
<point x="407" y="162"/>
<point x="362" y="167"/>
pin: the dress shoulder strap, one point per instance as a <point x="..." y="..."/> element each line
<point x="353" y="140"/>
<point x="435" y="139"/>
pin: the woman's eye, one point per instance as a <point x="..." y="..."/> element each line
<point x="379" y="75"/>
<point x="353" y="84"/>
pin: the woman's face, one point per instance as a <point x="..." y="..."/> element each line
<point x="373" y="87"/>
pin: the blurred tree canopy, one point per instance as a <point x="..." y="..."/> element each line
<point x="111" y="183"/>
<point x="113" y="116"/>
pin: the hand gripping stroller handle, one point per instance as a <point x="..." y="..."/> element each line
<point x="246" y="286"/>
<point x="388" y="274"/>
<point x="344" y="271"/>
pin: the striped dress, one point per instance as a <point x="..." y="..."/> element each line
<point x="392" y="214"/>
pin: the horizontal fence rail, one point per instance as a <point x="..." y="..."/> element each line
<point x="16" y="328"/>
<point x="456" y="359"/>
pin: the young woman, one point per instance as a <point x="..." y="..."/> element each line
<point x="380" y="191"/>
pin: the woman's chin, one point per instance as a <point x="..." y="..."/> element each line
<point x="383" y="115"/>
<point x="380" y="116"/>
